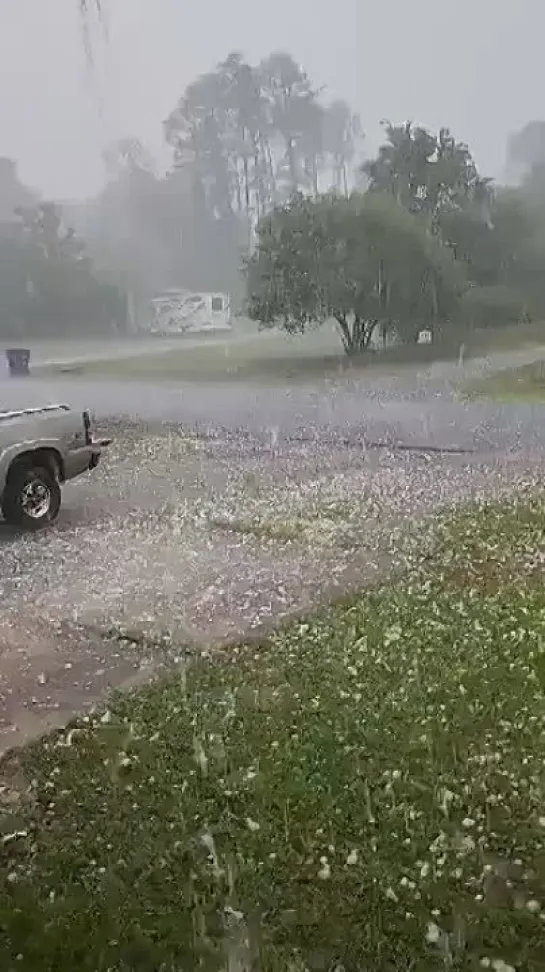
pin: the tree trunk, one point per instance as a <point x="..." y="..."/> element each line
<point x="246" y="174"/>
<point x="344" y="177"/>
<point x="315" y="185"/>
<point x="258" y="182"/>
<point x="358" y="337"/>
<point x="344" y="329"/>
<point x="237" y="192"/>
<point x="270" y="166"/>
<point x="290" y="153"/>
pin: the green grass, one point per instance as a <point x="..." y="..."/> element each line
<point x="270" y="356"/>
<point x="276" y="357"/>
<point x="524" y="384"/>
<point x="254" y="360"/>
<point x="284" y="531"/>
<point x="510" y="337"/>
<point x="366" y="790"/>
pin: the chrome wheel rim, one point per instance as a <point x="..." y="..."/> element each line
<point x="35" y="499"/>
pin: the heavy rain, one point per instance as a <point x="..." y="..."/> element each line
<point x="272" y="433"/>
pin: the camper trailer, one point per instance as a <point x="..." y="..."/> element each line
<point x="187" y="312"/>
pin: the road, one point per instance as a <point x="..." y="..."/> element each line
<point x="410" y="409"/>
<point x="299" y="493"/>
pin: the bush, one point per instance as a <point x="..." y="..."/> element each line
<point x="493" y="306"/>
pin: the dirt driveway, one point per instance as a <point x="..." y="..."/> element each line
<point x="178" y="540"/>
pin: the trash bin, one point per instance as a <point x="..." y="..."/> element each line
<point x="18" y="362"/>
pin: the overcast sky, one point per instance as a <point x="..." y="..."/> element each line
<point x="473" y="65"/>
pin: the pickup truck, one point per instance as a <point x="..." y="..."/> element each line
<point x="40" y="449"/>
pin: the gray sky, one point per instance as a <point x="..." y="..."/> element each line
<point x="473" y="65"/>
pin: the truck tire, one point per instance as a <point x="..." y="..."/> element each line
<point x="32" y="497"/>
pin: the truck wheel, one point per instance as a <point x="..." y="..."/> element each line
<point x="32" y="497"/>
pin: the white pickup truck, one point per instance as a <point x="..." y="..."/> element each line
<point x="40" y="449"/>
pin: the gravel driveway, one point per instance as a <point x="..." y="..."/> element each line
<point x="220" y="509"/>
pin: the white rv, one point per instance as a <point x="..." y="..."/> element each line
<point x="187" y="312"/>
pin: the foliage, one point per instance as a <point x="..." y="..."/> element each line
<point x="132" y="232"/>
<point x="362" y="260"/>
<point x="364" y="791"/>
<point x="495" y="305"/>
<point x="523" y="384"/>
<point x="342" y="130"/>
<point x="244" y="138"/>
<point x="400" y="256"/>
<point x="47" y="280"/>
<point x="526" y="148"/>
<point x="504" y="253"/>
<point x="428" y="174"/>
<point x="490" y="247"/>
<point x="251" y="136"/>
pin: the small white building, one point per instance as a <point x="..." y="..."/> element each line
<point x="187" y="312"/>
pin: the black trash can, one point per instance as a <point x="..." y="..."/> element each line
<point x="18" y="362"/>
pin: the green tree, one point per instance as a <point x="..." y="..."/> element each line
<point x="342" y="131"/>
<point x="246" y="138"/>
<point x="250" y="136"/>
<point x="363" y="261"/>
<point x="495" y="305"/>
<point x="133" y="226"/>
<point x="44" y="231"/>
<point x="493" y="249"/>
<point x="504" y="256"/>
<point x="294" y="120"/>
<point x="47" y="279"/>
<point x="198" y="132"/>
<point x="526" y="148"/>
<point x="428" y="174"/>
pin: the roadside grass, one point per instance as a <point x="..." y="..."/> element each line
<point x="524" y="384"/>
<point x="319" y="521"/>
<point x="251" y="361"/>
<point x="273" y="357"/>
<point x="512" y="337"/>
<point x="365" y="790"/>
<point x="284" y="531"/>
<point x="267" y="356"/>
<point x="328" y="524"/>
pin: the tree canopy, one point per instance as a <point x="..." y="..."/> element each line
<point x="363" y="260"/>
<point x="428" y="173"/>
<point x="429" y="244"/>
<point x="47" y="280"/>
<point x="262" y="160"/>
<point x="252" y="135"/>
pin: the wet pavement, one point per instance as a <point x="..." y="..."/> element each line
<point x="414" y="408"/>
<point x="220" y="509"/>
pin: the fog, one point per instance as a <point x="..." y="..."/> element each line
<point x="473" y="67"/>
<point x="285" y="265"/>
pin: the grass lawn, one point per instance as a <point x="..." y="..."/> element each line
<point x="268" y="356"/>
<point x="365" y="791"/>
<point x="272" y="356"/>
<point x="265" y="358"/>
<point x="524" y="384"/>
